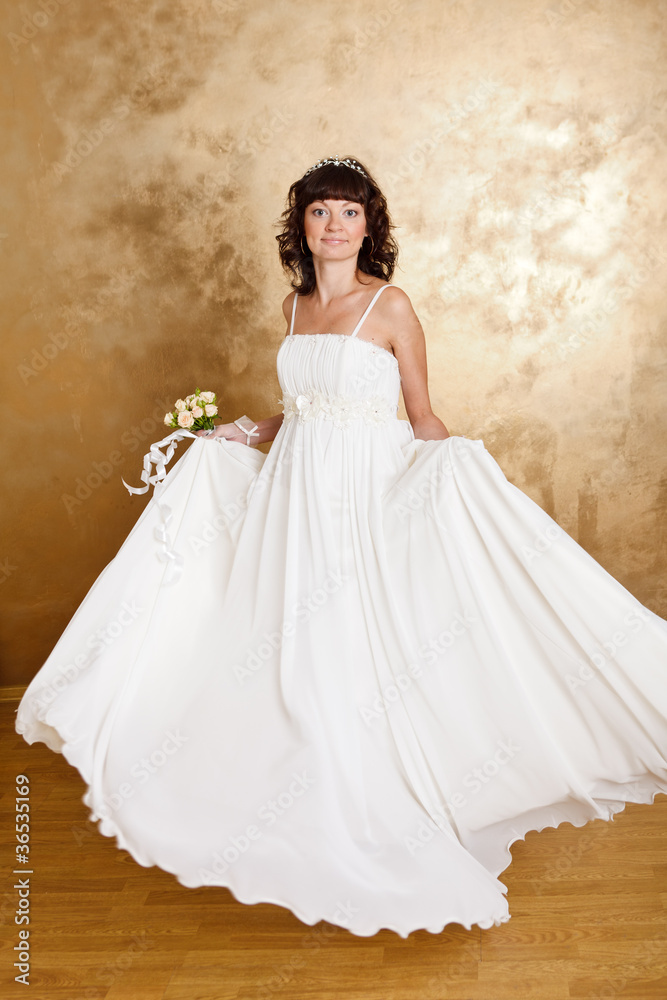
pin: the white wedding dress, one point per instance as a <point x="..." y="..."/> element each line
<point x="345" y="676"/>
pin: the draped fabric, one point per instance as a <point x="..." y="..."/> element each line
<point x="345" y="676"/>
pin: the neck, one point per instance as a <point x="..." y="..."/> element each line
<point x="335" y="279"/>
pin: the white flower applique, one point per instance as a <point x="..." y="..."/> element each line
<point x="342" y="410"/>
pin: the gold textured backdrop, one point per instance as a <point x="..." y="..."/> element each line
<point x="150" y="147"/>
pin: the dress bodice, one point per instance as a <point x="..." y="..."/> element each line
<point x="338" y="375"/>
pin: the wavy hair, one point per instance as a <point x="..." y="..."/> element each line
<point x="340" y="183"/>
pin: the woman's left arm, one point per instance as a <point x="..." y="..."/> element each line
<point x="409" y="346"/>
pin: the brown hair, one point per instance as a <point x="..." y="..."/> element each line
<point x="340" y="183"/>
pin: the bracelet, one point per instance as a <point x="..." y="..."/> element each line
<point x="249" y="429"/>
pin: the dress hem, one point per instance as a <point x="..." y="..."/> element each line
<point x="68" y="750"/>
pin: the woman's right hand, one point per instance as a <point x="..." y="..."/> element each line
<point x="228" y="431"/>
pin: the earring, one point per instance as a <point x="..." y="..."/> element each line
<point x="372" y="244"/>
<point x="304" y="251"/>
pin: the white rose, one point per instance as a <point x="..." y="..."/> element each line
<point x="185" y="419"/>
<point x="180" y="405"/>
<point x="167" y="419"/>
<point x="208" y="397"/>
<point x="197" y="412"/>
<point x="211" y="411"/>
<point x="188" y="399"/>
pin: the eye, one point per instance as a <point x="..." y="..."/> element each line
<point x="353" y="210"/>
<point x="316" y="210"/>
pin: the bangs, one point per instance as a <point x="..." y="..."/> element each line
<point x="336" y="183"/>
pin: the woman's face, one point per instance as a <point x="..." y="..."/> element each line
<point x="334" y="229"/>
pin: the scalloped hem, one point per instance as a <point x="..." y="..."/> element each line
<point x="108" y="828"/>
<point x="611" y="813"/>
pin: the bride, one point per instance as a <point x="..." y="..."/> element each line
<point x="339" y="276"/>
<point x="346" y="676"/>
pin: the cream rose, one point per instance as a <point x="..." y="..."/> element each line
<point x="211" y="411"/>
<point x="180" y="405"/>
<point x="185" y="419"/>
<point x="197" y="412"/>
<point x="208" y="397"/>
<point x="167" y="419"/>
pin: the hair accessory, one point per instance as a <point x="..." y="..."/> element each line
<point x="248" y="428"/>
<point x="338" y="163"/>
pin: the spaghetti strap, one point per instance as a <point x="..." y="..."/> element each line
<point x="296" y="295"/>
<point x="370" y="306"/>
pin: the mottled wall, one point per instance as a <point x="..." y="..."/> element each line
<point x="151" y="146"/>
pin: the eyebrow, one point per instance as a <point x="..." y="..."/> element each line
<point x="322" y="201"/>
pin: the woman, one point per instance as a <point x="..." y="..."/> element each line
<point x="378" y="663"/>
<point x="339" y="276"/>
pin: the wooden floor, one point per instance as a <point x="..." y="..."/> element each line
<point x="588" y="905"/>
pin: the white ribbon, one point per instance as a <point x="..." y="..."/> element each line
<point x="160" y="461"/>
<point x="156" y="458"/>
<point x="166" y="554"/>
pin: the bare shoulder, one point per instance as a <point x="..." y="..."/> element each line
<point x="398" y="312"/>
<point x="397" y="302"/>
<point x="287" y="306"/>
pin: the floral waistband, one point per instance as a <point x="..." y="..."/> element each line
<point x="342" y="410"/>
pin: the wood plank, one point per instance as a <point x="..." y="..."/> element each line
<point x="588" y="904"/>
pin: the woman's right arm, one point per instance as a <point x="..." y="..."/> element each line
<point x="267" y="428"/>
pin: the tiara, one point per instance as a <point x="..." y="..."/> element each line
<point x="338" y="163"/>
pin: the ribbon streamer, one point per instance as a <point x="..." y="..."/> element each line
<point x="166" y="554"/>
<point x="160" y="461"/>
<point x="154" y="457"/>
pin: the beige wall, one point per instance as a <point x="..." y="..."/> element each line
<point x="151" y="146"/>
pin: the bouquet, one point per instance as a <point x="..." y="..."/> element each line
<point x="194" y="413"/>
